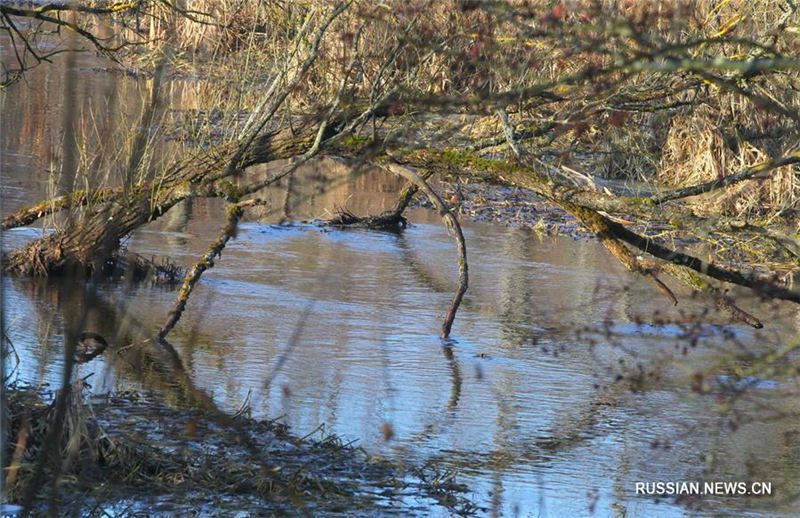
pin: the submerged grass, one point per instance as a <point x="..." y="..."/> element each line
<point x="133" y="451"/>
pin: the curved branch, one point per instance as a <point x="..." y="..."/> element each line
<point x="452" y="222"/>
<point x="760" y="286"/>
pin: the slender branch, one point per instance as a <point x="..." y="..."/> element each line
<point x="235" y="212"/>
<point x="701" y="66"/>
<point x="452" y="222"/>
<point x="725" y="181"/>
<point x="517" y="136"/>
<point x="763" y="102"/>
<point x="509" y="133"/>
<point x="278" y="101"/>
<point x="39" y="15"/>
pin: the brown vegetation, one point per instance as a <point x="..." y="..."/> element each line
<point x="692" y="99"/>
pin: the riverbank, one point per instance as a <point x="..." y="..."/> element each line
<point x="131" y="452"/>
<point x="722" y="241"/>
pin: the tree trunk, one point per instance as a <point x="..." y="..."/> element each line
<point x="94" y="234"/>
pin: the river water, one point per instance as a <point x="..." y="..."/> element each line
<point x="339" y="328"/>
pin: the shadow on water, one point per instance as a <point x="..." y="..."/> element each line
<point x="525" y="404"/>
<point x="555" y="397"/>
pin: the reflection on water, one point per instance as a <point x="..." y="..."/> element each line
<point x="520" y="404"/>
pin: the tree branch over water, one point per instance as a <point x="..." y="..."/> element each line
<point x="611" y="77"/>
<point x="668" y="131"/>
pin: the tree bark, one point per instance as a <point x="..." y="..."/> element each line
<point x="87" y="244"/>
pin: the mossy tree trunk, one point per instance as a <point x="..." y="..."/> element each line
<point x="98" y="227"/>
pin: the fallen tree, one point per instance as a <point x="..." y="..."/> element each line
<point x="701" y="102"/>
<point x="626" y="68"/>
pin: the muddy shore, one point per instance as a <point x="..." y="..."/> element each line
<point x="133" y="453"/>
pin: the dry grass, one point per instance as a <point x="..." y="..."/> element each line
<point x="133" y="446"/>
<point x="671" y="128"/>
<point x="701" y="146"/>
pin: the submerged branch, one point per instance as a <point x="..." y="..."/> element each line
<point x="235" y="212"/>
<point x="452" y="222"/>
<point x="390" y="219"/>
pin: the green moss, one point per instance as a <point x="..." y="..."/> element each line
<point x="229" y="189"/>
<point x="467" y="159"/>
<point x="637" y="200"/>
<point x="355" y="142"/>
<point x="455" y="157"/>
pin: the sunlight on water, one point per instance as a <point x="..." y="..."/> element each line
<point x="519" y="404"/>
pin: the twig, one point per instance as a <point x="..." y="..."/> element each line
<point x="235" y="161"/>
<point x="509" y="132"/>
<point x="722" y="300"/>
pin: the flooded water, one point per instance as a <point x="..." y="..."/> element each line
<point x="340" y="328"/>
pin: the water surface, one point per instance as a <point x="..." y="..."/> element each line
<point x="340" y="328"/>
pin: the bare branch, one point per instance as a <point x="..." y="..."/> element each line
<point x="235" y="212"/>
<point x="452" y="222"/>
<point x="725" y="181"/>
